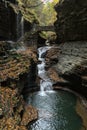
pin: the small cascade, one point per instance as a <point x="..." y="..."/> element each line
<point x="45" y="82"/>
<point x="20" y="25"/>
<point x="17" y="25"/>
<point x="5" y="2"/>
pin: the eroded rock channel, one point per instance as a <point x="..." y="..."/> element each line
<point x="48" y="92"/>
<point x="56" y="109"/>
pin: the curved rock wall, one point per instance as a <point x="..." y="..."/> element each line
<point x="72" y="65"/>
<point x="71" y="28"/>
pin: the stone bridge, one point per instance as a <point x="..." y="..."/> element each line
<point x="13" y="26"/>
<point x="37" y="28"/>
<point x="32" y="37"/>
<point x="45" y="28"/>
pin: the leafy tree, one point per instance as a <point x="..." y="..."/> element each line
<point x="36" y="10"/>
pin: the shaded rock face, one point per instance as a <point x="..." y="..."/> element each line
<point x="7" y="20"/>
<point x="13" y="113"/>
<point x="11" y="24"/>
<point x="52" y="56"/>
<point x="15" y="65"/>
<point x="71" y="24"/>
<point x="71" y="68"/>
<point x="71" y="27"/>
<point x="72" y="63"/>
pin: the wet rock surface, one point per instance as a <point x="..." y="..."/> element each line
<point x="71" y="66"/>
<point x="52" y="56"/>
<point x="81" y="109"/>
<point x="15" y="63"/>
<point x="29" y="115"/>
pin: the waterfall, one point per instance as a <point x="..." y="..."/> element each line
<point x="17" y="24"/>
<point x="45" y="82"/>
<point x="20" y="25"/>
<point x="5" y="2"/>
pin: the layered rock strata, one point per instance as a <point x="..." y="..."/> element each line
<point x="71" y="24"/>
<point x="70" y="70"/>
<point x="15" y="64"/>
<point x="71" y="27"/>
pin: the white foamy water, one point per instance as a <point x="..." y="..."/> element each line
<point x="45" y="82"/>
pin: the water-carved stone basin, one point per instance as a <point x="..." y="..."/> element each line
<point x="57" y="111"/>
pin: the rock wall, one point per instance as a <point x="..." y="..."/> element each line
<point x="15" y="69"/>
<point x="4" y="22"/>
<point x="67" y="66"/>
<point x="71" y="24"/>
<point x="72" y="65"/>
<point x="71" y="27"/>
<point x="11" y="24"/>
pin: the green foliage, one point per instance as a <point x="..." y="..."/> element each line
<point x="48" y="35"/>
<point x="30" y="9"/>
<point x="36" y="10"/>
<point x="33" y="10"/>
<point x="49" y="14"/>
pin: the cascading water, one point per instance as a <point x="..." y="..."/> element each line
<point x="20" y="25"/>
<point x="45" y="82"/>
<point x="56" y="110"/>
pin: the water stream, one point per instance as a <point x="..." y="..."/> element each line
<point x="45" y="82"/>
<point x="20" y="25"/>
<point x="56" y="109"/>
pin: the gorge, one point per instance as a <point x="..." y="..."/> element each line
<point x="43" y="80"/>
<point x="55" y="108"/>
